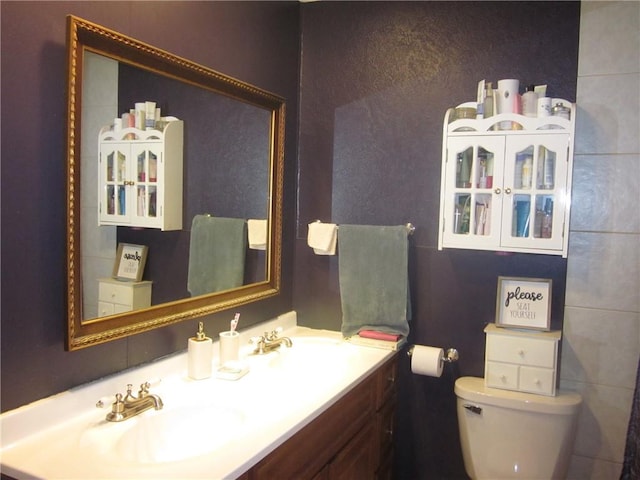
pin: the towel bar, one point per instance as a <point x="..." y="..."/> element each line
<point x="410" y="227"/>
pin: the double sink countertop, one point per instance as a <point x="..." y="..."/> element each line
<point x="211" y="428"/>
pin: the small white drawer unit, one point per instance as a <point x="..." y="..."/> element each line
<point x="526" y="361"/>
<point x="115" y="296"/>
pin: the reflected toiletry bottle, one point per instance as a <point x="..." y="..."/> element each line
<point x="548" y="172"/>
<point x="527" y="168"/>
<point x="522" y="218"/>
<point x="530" y="102"/>
<point x="199" y="355"/>
<point x="547" y="219"/>
<point x="488" y="101"/>
<point x="140" y="115"/>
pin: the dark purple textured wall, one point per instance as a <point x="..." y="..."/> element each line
<point x="376" y="80"/>
<point x="375" y="76"/>
<point x="256" y="42"/>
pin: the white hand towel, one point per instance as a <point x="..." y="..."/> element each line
<point x="257" y="234"/>
<point x="322" y="237"/>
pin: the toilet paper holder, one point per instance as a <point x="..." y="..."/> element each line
<point x="451" y="355"/>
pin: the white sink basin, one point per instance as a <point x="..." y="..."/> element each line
<point x="166" y="435"/>
<point x="307" y="356"/>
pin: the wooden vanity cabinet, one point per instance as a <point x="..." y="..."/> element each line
<point x="352" y="439"/>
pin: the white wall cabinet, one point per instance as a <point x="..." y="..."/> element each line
<point x="525" y="361"/>
<point x="140" y="180"/>
<point x="506" y="190"/>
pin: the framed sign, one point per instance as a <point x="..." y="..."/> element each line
<point x="524" y="303"/>
<point x="130" y="261"/>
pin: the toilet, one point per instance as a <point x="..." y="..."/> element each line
<point x="506" y="434"/>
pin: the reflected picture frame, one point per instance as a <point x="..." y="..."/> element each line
<point x="130" y="262"/>
<point x="524" y="303"/>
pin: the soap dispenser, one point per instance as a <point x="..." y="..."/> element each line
<point x="199" y="355"/>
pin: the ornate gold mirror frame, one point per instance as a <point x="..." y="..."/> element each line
<point x="84" y="36"/>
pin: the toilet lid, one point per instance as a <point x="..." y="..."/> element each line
<point x="473" y="389"/>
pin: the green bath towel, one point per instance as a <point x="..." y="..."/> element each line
<point x="217" y="252"/>
<point x="374" y="279"/>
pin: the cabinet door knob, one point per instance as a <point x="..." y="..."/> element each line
<point x="507" y="191"/>
<point x="497" y="191"/>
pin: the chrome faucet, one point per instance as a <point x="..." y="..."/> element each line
<point x="270" y="341"/>
<point x="130" y="405"/>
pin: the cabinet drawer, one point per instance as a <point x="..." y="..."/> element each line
<point x="385" y="418"/>
<point x="105" y="309"/>
<point x="537" y="380"/>
<point x="109" y="292"/>
<point x="501" y="375"/>
<point x="386" y="386"/>
<point x="521" y="350"/>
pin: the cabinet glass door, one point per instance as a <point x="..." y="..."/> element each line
<point x="535" y="191"/>
<point x="113" y="181"/>
<point x="470" y="209"/>
<point x="146" y="192"/>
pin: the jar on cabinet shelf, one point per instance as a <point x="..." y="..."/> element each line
<point x="140" y="178"/>
<point x="507" y="190"/>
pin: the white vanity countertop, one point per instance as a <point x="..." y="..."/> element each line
<point x="66" y="436"/>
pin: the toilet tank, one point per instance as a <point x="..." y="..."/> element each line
<point x="506" y="434"/>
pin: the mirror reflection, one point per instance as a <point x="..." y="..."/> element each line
<point x="188" y="211"/>
<point x="224" y="150"/>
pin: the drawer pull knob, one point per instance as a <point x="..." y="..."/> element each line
<point x="503" y="378"/>
<point x="521" y="352"/>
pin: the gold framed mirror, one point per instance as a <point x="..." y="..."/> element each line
<point x="85" y="41"/>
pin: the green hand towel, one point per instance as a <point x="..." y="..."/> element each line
<point x="217" y="253"/>
<point x="374" y="279"/>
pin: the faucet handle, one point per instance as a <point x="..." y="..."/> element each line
<point x="117" y="410"/>
<point x="129" y="396"/>
<point x="144" y="389"/>
<point x="273" y="335"/>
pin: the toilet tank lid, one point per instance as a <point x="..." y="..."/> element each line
<point x="473" y="389"/>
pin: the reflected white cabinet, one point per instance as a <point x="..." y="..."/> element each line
<point x="140" y="179"/>
<point x="525" y="361"/>
<point x="506" y="190"/>
<point x="116" y="296"/>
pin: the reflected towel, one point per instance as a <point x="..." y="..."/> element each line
<point x="257" y="234"/>
<point x="322" y="237"/>
<point x="216" y="254"/>
<point x="374" y="279"/>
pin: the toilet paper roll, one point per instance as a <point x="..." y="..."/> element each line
<point x="427" y="360"/>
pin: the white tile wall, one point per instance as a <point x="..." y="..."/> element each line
<point x="603" y="271"/>
<point x="601" y="341"/>
<point x="604" y="187"/>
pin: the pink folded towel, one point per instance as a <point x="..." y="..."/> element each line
<point x="390" y="337"/>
